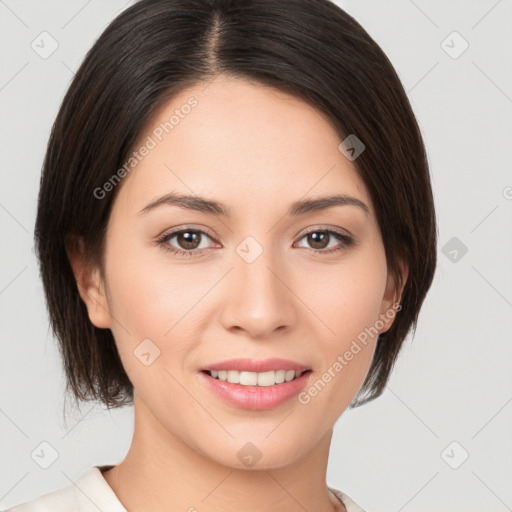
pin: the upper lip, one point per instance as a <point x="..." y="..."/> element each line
<point x="254" y="365"/>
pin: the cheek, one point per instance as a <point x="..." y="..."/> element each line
<point x="152" y="299"/>
<point x="349" y="304"/>
<point x="148" y="305"/>
<point x="347" y="297"/>
<point x="145" y="292"/>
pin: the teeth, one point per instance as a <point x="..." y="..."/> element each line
<point x="256" y="379"/>
<point x="247" y="378"/>
<point x="233" y="377"/>
<point x="280" y="375"/>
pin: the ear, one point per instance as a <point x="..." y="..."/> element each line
<point x="90" y="284"/>
<point x="392" y="298"/>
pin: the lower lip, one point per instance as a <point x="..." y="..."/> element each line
<point x="255" y="398"/>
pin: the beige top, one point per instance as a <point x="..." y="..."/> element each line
<point x="91" y="492"/>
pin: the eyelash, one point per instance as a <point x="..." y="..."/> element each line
<point x="346" y="240"/>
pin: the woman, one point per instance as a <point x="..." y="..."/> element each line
<point x="236" y="232"/>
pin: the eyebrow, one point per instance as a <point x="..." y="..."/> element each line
<point x="209" y="206"/>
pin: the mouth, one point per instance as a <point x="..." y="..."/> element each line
<point x="261" y="379"/>
<point x="255" y="385"/>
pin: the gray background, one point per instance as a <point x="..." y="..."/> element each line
<point x="450" y="394"/>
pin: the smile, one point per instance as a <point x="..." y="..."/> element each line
<point x="255" y="391"/>
<point x="269" y="378"/>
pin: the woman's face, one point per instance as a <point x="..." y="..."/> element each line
<point x="250" y="284"/>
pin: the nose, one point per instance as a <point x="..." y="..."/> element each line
<point x="258" y="298"/>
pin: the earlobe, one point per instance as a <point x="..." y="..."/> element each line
<point x="90" y="285"/>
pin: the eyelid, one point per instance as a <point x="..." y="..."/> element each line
<point x="324" y="227"/>
<point x="185" y="227"/>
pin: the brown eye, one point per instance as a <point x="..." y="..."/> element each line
<point x="188" y="241"/>
<point x="318" y="239"/>
<point x="324" y="240"/>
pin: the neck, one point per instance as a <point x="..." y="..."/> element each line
<point x="160" y="472"/>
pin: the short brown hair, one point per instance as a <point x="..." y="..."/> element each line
<point x="157" y="48"/>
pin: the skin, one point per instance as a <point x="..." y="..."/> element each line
<point x="257" y="150"/>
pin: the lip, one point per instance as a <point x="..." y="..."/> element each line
<point x="255" y="398"/>
<point x="253" y="365"/>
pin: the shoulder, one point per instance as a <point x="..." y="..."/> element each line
<point x="88" y="493"/>
<point x="349" y="503"/>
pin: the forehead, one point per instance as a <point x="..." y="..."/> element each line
<point x="242" y="143"/>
